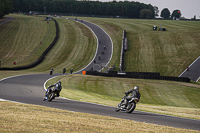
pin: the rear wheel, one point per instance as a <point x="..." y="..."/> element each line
<point x="130" y="107"/>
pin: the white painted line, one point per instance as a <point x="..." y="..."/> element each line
<point x="3" y="99"/>
<point x="197" y="79"/>
<point x="47" y="81"/>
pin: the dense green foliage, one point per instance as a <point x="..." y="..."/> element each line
<point x="5" y="7"/>
<point x="165" y="13"/>
<point x="126" y="9"/>
<point x="176" y="14"/>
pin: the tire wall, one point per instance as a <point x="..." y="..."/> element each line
<point x="138" y="75"/>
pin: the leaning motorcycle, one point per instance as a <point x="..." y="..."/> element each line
<point x="130" y="107"/>
<point x="51" y="94"/>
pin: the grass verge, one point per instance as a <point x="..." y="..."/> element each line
<point x="16" y="117"/>
<point x="165" y="97"/>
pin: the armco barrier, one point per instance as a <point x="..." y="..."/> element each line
<point x="121" y="64"/>
<point x="139" y="75"/>
<point x="41" y="58"/>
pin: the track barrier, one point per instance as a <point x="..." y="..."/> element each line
<point x="138" y="75"/>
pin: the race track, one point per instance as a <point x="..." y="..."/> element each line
<point x="29" y="89"/>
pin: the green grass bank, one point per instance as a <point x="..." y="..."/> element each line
<point x="165" y="97"/>
<point x="168" y="52"/>
<point x="16" y="117"/>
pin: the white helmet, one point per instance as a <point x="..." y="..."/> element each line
<point x="136" y="88"/>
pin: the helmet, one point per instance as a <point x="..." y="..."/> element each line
<point x="136" y="88"/>
<point x="59" y="82"/>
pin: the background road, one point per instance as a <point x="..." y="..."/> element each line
<point x="104" y="47"/>
<point x="3" y="22"/>
<point x="194" y="71"/>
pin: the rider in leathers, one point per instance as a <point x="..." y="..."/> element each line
<point x="134" y="94"/>
<point x="57" y="86"/>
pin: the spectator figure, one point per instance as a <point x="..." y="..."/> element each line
<point x="71" y="70"/>
<point x="64" y="70"/>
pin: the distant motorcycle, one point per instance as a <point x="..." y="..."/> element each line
<point x="130" y="107"/>
<point x="50" y="72"/>
<point x="51" y="94"/>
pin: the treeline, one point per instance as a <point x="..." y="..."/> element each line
<point x="5" y="7"/>
<point x="126" y="8"/>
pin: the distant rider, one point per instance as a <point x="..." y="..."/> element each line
<point x="64" y="70"/>
<point x="57" y="86"/>
<point x="51" y="71"/>
<point x="134" y="94"/>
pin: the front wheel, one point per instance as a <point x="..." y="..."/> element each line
<point x="118" y="107"/>
<point x="51" y="97"/>
<point x="131" y="107"/>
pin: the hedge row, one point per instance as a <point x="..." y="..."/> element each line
<point x="139" y="75"/>
<point x="41" y="58"/>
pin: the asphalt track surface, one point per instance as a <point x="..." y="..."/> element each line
<point x="194" y="71"/>
<point x="3" y="22"/>
<point x="29" y="89"/>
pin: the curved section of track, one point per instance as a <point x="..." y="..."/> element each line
<point x="104" y="47"/>
<point x="29" y="89"/>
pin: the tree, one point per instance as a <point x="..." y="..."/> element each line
<point x="194" y="17"/>
<point x="156" y="10"/>
<point x="129" y="9"/>
<point x="5" y="7"/>
<point x="146" y="14"/>
<point x="176" y="14"/>
<point x="165" y="13"/>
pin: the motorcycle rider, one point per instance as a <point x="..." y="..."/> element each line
<point x="57" y="86"/>
<point x="134" y="94"/>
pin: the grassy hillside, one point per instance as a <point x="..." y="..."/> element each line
<point x="75" y="48"/>
<point x="167" y="52"/>
<point x="172" y="98"/>
<point x="21" y="37"/>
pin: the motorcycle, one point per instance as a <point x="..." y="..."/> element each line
<point x="131" y="105"/>
<point x="51" y="94"/>
<point x="51" y="71"/>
